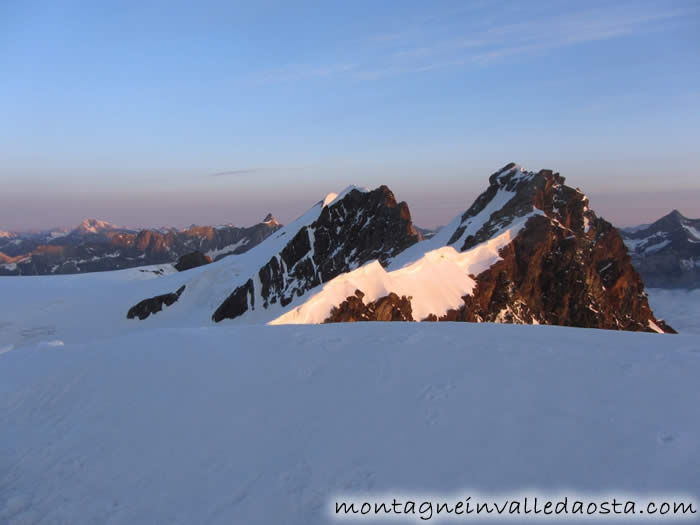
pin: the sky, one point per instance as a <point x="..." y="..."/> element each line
<point x="172" y="113"/>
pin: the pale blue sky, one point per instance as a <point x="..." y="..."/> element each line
<point x="168" y="113"/>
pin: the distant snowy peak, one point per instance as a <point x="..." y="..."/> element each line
<point x="674" y="222"/>
<point x="673" y="231"/>
<point x="667" y="252"/>
<point x="94" y="226"/>
<point x="7" y="235"/>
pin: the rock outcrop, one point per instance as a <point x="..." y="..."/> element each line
<point x="388" y="308"/>
<point x="153" y="305"/>
<point x="192" y="260"/>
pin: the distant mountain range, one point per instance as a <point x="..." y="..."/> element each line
<point x="667" y="252"/>
<point x="96" y="245"/>
<point x="529" y="250"/>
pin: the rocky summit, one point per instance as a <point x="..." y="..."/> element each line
<point x="566" y="266"/>
<point x="355" y="228"/>
<point x="388" y="308"/>
<point x="153" y="305"/>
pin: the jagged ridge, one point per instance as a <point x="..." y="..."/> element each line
<point x="535" y="252"/>
<point x="350" y="230"/>
<point x="529" y="250"/>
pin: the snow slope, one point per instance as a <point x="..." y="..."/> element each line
<point x="265" y="425"/>
<point x="77" y="308"/>
<point x="95" y="226"/>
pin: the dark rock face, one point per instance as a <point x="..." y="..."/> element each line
<point x="565" y="267"/>
<point x="154" y="305"/>
<point x="88" y="249"/>
<point x="237" y="303"/>
<point x="370" y="225"/>
<point x="360" y="227"/>
<point x="388" y="308"/>
<point x="192" y="260"/>
<point x="667" y="252"/>
<point x="547" y="278"/>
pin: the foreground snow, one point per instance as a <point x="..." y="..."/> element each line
<point x="234" y="424"/>
<point x="78" y="307"/>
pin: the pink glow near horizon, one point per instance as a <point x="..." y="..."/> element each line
<point x="179" y="210"/>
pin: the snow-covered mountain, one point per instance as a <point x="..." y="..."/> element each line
<point x="96" y="245"/>
<point x="528" y="250"/>
<point x="94" y="227"/>
<point x="177" y="419"/>
<point x="667" y="252"/>
<point x="336" y="236"/>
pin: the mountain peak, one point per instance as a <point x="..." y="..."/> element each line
<point x="675" y="214"/>
<point x="529" y="250"/>
<point x="513" y="177"/>
<point x="270" y="219"/>
<point x="92" y="225"/>
<point x="667" y="251"/>
<point x="513" y="195"/>
<point x="338" y="235"/>
<point x="335" y="197"/>
<point x="674" y="220"/>
<point x="504" y="173"/>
